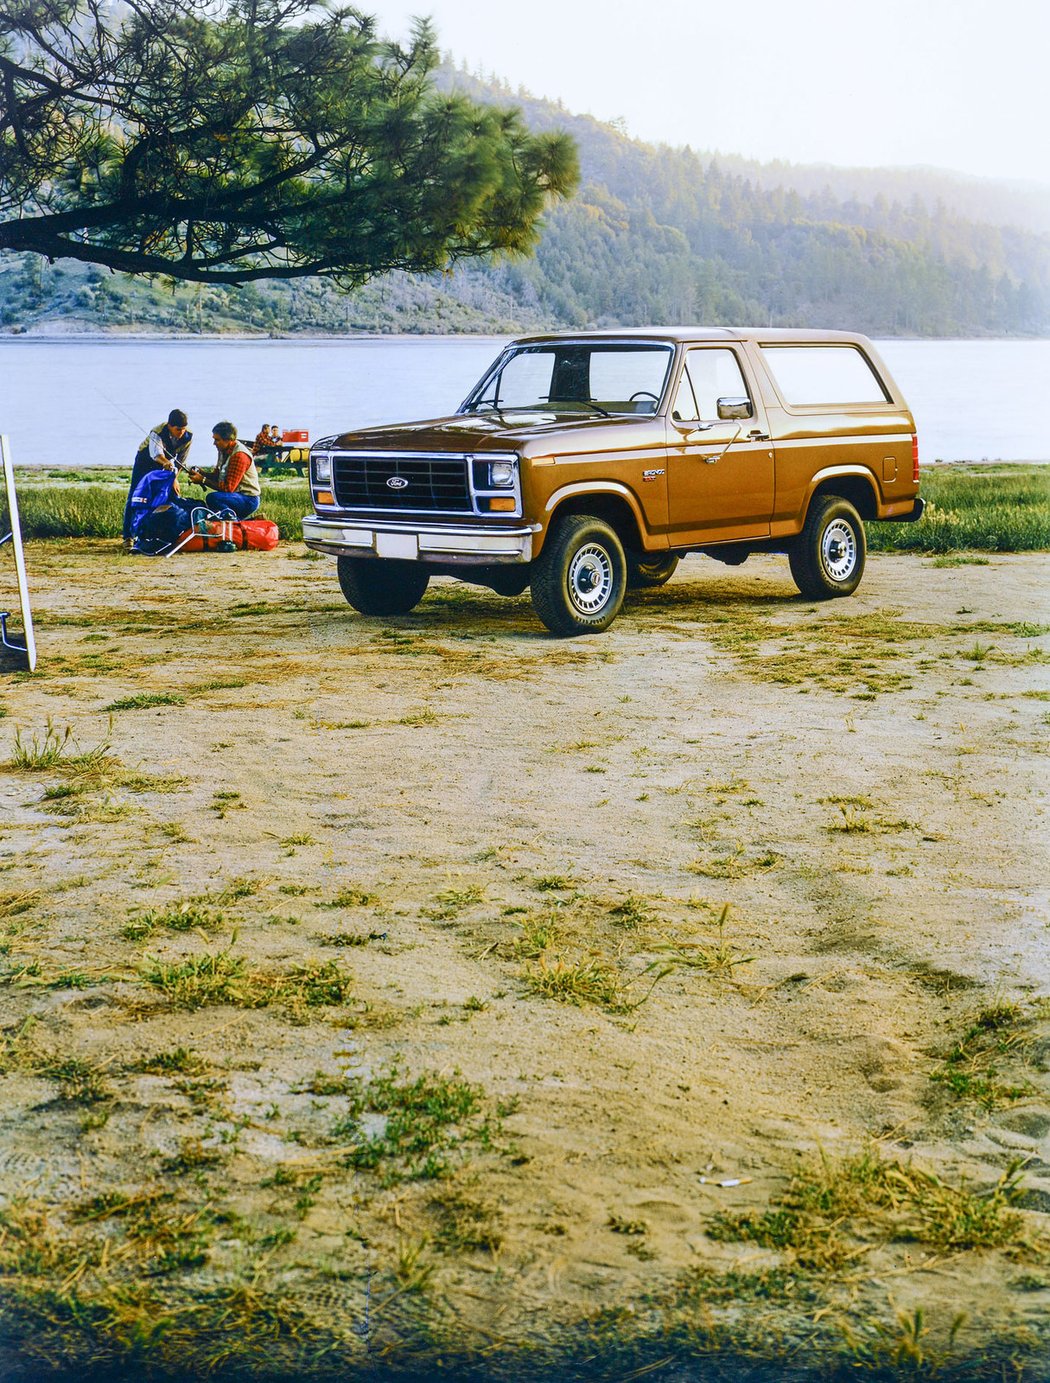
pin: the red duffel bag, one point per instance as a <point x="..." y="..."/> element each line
<point x="258" y="534"/>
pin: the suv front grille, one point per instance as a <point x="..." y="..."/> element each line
<point x="432" y="483"/>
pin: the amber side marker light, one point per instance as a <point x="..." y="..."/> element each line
<point x="505" y="504"/>
<point x="915" y="457"/>
<point x="325" y="497"/>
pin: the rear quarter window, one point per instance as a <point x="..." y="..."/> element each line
<point x="826" y="375"/>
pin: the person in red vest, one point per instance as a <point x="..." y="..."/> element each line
<point x="233" y="480"/>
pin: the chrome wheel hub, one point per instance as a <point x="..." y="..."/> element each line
<point x="590" y="579"/>
<point x="838" y="550"/>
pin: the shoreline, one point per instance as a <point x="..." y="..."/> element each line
<point x="98" y="337"/>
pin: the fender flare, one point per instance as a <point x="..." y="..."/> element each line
<point x="612" y="488"/>
<point x="835" y="472"/>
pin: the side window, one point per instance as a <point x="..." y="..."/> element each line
<point x="715" y="374"/>
<point x="823" y="375"/>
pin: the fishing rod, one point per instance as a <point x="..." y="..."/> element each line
<point x="179" y="465"/>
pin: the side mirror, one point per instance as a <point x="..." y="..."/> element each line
<point x="734" y="410"/>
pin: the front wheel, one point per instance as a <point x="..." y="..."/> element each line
<point x="379" y="586"/>
<point x="827" y="557"/>
<point x="579" y="579"/>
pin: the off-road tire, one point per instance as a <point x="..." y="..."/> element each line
<point x="381" y="586"/>
<point x="827" y="557"/>
<point x="580" y="577"/>
<point x="650" y="570"/>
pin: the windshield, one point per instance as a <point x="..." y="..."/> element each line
<point x="587" y="377"/>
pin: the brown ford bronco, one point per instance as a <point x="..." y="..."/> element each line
<point x="582" y="465"/>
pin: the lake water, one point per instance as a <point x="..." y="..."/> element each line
<point x="90" y="402"/>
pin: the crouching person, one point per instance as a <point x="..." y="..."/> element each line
<point x="233" y="481"/>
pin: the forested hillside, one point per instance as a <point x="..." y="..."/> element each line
<point x="655" y="235"/>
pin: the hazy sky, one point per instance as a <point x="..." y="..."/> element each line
<point x="959" y="84"/>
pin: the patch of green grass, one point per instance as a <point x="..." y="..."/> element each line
<point x="221" y="978"/>
<point x="50" y="749"/>
<point x="351" y="896"/>
<point x="554" y="883"/>
<point x="735" y="866"/>
<point x="217" y="684"/>
<point x="426" y="716"/>
<point x="178" y="1061"/>
<point x="832" y="1208"/>
<point x="586" y="981"/>
<point x="347" y="938"/>
<point x="538" y="934"/>
<point x="1002" y="508"/>
<point x="632" y="912"/>
<point x="715" y="955"/>
<point x="79" y="1082"/>
<point x="143" y="700"/>
<point x="970" y="1070"/>
<point x="423" y="1125"/>
<point x="189" y="915"/>
<point x="453" y="900"/>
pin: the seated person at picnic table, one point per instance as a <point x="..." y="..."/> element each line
<point x="266" y="439"/>
<point x="233" y="480"/>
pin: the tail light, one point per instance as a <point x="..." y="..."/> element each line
<point x="915" y="458"/>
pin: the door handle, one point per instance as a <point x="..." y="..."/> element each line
<point x="757" y="436"/>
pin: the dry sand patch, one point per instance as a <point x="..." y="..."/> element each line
<point x="428" y="977"/>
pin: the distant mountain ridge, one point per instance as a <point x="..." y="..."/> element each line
<point x="655" y="235"/>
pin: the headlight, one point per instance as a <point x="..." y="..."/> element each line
<point x="322" y="468"/>
<point x="501" y="474"/>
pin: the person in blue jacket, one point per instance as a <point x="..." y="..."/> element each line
<point x="167" y="446"/>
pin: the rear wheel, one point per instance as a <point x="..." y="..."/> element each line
<point x="650" y="570"/>
<point x="827" y="558"/>
<point x="379" y="586"/>
<point x="579" y="579"/>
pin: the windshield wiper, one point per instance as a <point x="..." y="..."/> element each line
<point x="588" y="403"/>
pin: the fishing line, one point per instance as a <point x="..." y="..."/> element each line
<point x="179" y="465"/>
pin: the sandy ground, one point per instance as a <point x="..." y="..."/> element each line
<point x="677" y="910"/>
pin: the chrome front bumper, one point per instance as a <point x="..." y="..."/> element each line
<point x="469" y="544"/>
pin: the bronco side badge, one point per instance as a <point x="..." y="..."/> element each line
<point x="651" y="475"/>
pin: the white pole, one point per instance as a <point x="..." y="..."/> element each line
<point x="20" y="560"/>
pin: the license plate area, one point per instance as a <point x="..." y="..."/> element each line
<point x="399" y="546"/>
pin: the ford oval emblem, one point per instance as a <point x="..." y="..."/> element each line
<point x="398" y="482"/>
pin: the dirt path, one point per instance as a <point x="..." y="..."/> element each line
<point x="437" y="986"/>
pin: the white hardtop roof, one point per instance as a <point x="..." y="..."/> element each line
<point x="675" y="335"/>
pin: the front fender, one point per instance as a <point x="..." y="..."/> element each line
<point x="611" y="500"/>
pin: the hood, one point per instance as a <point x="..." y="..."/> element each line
<point x="529" y="433"/>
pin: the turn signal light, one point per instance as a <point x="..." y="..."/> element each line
<point x="325" y="497"/>
<point x="505" y="504"/>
